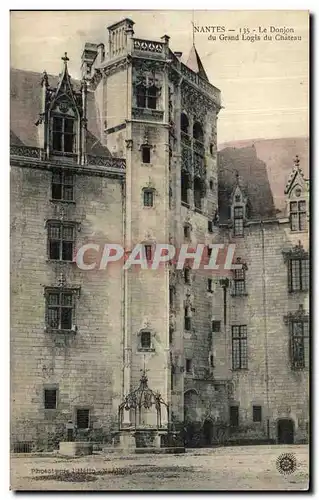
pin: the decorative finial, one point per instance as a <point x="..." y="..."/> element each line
<point x="65" y="58"/>
<point x="44" y="79"/>
<point x="297" y="161"/>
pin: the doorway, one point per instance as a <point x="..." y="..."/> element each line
<point x="285" y="431"/>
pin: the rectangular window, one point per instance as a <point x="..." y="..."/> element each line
<point x="187" y="320"/>
<point x="211" y="361"/>
<point x="256" y="413"/>
<point x="210" y="226"/>
<point x="148" y="252"/>
<point x="215" y="326"/>
<point x="298" y="216"/>
<point x="146" y="154"/>
<point x="299" y="344"/>
<point x="239" y="282"/>
<point x="189" y="366"/>
<point x="238" y="221"/>
<point x="187" y="231"/>
<point x="62" y="186"/>
<point x="209" y="285"/>
<point x="61" y="241"/>
<point x="239" y="347"/>
<point x="63" y="135"/>
<point x="298" y="275"/>
<point x="234" y="416"/>
<point x="187" y="275"/>
<point x="50" y="399"/>
<point x="60" y="309"/>
<point x="82" y="419"/>
<point x="145" y="340"/>
<point x="148" y="198"/>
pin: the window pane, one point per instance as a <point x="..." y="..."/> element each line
<point x="294" y="222"/>
<point x="54" y="252"/>
<point x="148" y="198"/>
<point x="151" y="101"/>
<point x="67" y="233"/>
<point x="68" y="193"/>
<point x="67" y="299"/>
<point x="216" y="326"/>
<point x="57" y="141"/>
<point x="141" y="96"/>
<point x="50" y="399"/>
<point x="53" y="317"/>
<point x="238" y="212"/>
<point x="256" y="413"/>
<point x="57" y="124"/>
<point x="146" y="154"/>
<point x="56" y="191"/>
<point x="68" y="143"/>
<point x="53" y="299"/>
<point x="68" y="126"/>
<point x="302" y="221"/>
<point x="302" y="206"/>
<point x="239" y="287"/>
<point x="68" y="179"/>
<point x="57" y="177"/>
<point x="67" y="250"/>
<point x="54" y="232"/>
<point x="66" y="318"/>
<point x="238" y="227"/>
<point x="295" y="274"/>
<point x="239" y="274"/>
<point x="293" y="206"/>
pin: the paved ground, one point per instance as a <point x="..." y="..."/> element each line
<point x="236" y="468"/>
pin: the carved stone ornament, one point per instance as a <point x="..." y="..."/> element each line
<point x="297" y="252"/>
<point x="299" y="315"/>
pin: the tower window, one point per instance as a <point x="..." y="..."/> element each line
<point x="60" y="310"/>
<point x="187" y="319"/>
<point x="189" y="365"/>
<point x="210" y="226"/>
<point x="298" y="216"/>
<point x="148" y="197"/>
<point x="209" y="285"/>
<point x="146" y="340"/>
<point x="216" y="326"/>
<point x="50" y="399"/>
<point x="146" y="154"/>
<point x="146" y="97"/>
<point x="61" y="241"/>
<point x="148" y="252"/>
<point x="184" y="123"/>
<point x="62" y="186"/>
<point x="63" y="135"/>
<point x="187" y="231"/>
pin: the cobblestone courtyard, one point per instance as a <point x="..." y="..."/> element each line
<point x="235" y="468"/>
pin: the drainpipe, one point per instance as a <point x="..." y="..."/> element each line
<point x="265" y="324"/>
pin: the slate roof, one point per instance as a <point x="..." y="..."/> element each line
<point x="195" y="64"/>
<point x="264" y="167"/>
<point x="25" y="97"/>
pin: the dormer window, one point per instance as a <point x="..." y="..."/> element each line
<point x="238" y="221"/>
<point x="298" y="215"/>
<point x="63" y="131"/>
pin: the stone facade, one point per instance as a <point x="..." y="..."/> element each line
<point x="137" y="137"/>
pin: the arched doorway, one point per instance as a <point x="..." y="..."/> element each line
<point x="208" y="431"/>
<point x="285" y="431"/>
<point x="190" y="416"/>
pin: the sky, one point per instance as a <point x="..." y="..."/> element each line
<point x="264" y="84"/>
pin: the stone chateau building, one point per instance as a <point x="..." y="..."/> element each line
<point x="129" y="155"/>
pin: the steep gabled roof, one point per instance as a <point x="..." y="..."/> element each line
<point x="195" y="64"/>
<point x="25" y="107"/>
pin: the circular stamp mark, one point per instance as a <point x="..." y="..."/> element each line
<point x="286" y="463"/>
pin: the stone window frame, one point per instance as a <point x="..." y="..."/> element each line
<point x="63" y="186"/>
<point x="239" y="347"/>
<point x="149" y="191"/>
<point x="61" y="290"/>
<point x="300" y="215"/>
<point x="75" y="412"/>
<point x="300" y="255"/>
<point x="301" y="318"/>
<point x="239" y="281"/>
<point x="140" y="347"/>
<point x="256" y="412"/>
<point x="238" y="232"/>
<point x="61" y="224"/>
<point x="51" y="387"/>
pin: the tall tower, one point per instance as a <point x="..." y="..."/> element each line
<point x="161" y="114"/>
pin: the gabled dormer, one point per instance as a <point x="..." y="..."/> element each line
<point x="297" y="199"/>
<point x="62" y="122"/>
<point x="238" y="209"/>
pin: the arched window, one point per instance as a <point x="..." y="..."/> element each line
<point x="184" y="123"/>
<point x="198" y="133"/>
